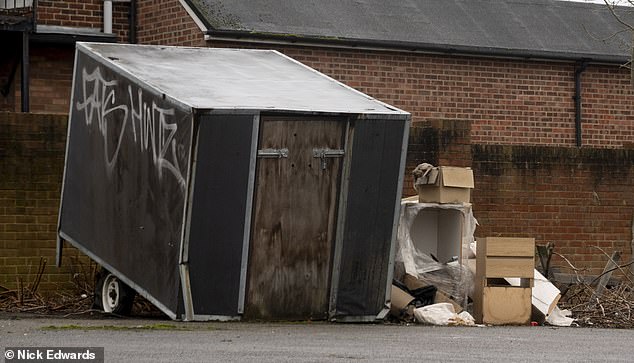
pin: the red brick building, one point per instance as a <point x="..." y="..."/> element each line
<point x="532" y="95"/>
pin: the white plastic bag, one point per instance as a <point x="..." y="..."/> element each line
<point x="464" y="318"/>
<point x="435" y="314"/>
<point x="560" y="317"/>
<point x="442" y="314"/>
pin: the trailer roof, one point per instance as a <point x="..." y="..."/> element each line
<point x="235" y="79"/>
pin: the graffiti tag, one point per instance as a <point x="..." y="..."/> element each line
<point x="150" y="125"/>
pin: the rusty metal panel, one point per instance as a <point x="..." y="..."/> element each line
<point x="368" y="225"/>
<point x="295" y="212"/>
<point x="125" y="182"/>
<point x="219" y="207"/>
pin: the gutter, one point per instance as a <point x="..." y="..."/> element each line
<point x="384" y="45"/>
<point x="69" y="35"/>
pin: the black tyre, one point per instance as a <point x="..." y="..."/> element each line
<point x="113" y="295"/>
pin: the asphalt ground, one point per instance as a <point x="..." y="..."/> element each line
<point x="159" y="340"/>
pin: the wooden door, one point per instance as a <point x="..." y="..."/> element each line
<point x="295" y="209"/>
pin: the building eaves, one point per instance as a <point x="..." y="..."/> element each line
<point x="431" y="48"/>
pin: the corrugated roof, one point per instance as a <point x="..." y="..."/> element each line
<point x="524" y="28"/>
<point x="235" y="79"/>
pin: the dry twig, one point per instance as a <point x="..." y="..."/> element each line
<point x="74" y="301"/>
<point x="610" y="309"/>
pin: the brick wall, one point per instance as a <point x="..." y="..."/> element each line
<point x="440" y="142"/>
<point x="51" y="65"/>
<point x="514" y="102"/>
<point x="511" y="120"/>
<point x="580" y="199"/>
<point x="576" y="198"/>
<point x="31" y="164"/>
<point x="514" y="119"/>
<point x="76" y="13"/>
<point x="167" y="23"/>
<point x="85" y="14"/>
<point x="51" y="70"/>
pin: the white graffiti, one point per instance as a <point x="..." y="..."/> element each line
<point x="150" y="124"/>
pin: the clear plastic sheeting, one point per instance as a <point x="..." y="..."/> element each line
<point x="453" y="279"/>
<point x="433" y="245"/>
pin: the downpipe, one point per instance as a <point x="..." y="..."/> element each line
<point x="107" y="16"/>
<point x="577" y="97"/>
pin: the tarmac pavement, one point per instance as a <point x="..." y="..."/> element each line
<point x="156" y="340"/>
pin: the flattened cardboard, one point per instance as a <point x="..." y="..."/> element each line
<point x="442" y="298"/>
<point x="400" y="301"/>
<point x="412" y="282"/>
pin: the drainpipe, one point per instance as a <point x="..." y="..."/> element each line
<point x="577" y="97"/>
<point x="25" y="71"/>
<point x="107" y="16"/>
<point x="132" y="23"/>
<point x="25" y="61"/>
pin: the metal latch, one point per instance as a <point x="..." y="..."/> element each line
<point x="327" y="153"/>
<point x="273" y="153"/>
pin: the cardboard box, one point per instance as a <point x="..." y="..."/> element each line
<point x="445" y="184"/>
<point x="545" y="294"/>
<point x="506" y="305"/>
<point x="504" y="257"/>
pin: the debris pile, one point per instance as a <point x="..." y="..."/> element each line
<point x="436" y="250"/>
<point x="79" y="300"/>
<point x="27" y="299"/>
<point x="435" y="231"/>
<point x="601" y="301"/>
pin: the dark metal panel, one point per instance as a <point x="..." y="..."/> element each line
<point x="219" y="203"/>
<point x="373" y="188"/>
<point x="127" y="168"/>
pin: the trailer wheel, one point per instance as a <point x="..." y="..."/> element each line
<point x="112" y="295"/>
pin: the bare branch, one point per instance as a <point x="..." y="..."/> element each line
<point x="617" y="267"/>
<point x="609" y="37"/>
<point x="610" y="7"/>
